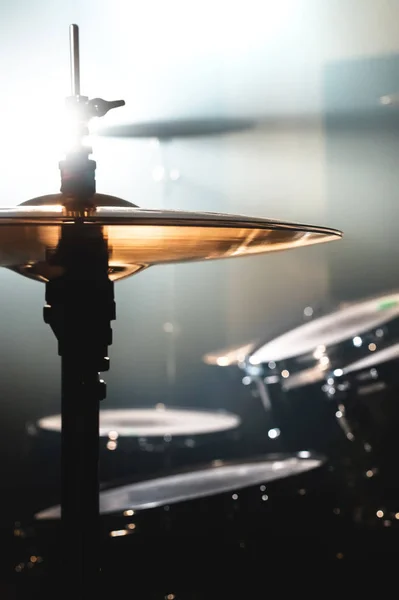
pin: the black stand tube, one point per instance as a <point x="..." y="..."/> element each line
<point x="79" y="309"/>
<point x="79" y="470"/>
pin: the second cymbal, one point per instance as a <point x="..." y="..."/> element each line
<point x="181" y="128"/>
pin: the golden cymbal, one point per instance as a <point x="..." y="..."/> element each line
<point x="138" y="238"/>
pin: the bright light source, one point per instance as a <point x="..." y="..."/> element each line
<point x="154" y="143"/>
<point x="385" y="100"/>
<point x="222" y="361"/>
<point x="318" y="353"/>
<point x="118" y="533"/>
<point x="158" y="173"/>
<point x="304" y="454"/>
<point x="273" y="433"/>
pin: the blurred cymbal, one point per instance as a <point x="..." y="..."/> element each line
<point x="138" y="238"/>
<point x="154" y="422"/>
<point x="390" y="99"/>
<point x="233" y="355"/>
<point x="177" y="128"/>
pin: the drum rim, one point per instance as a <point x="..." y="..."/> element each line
<point x="217" y="463"/>
<point x="304" y="455"/>
<point x="350" y="371"/>
<point x="353" y="368"/>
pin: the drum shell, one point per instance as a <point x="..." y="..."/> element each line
<point x="142" y="456"/>
<point x="305" y="416"/>
<point x="126" y="456"/>
<point x="368" y="411"/>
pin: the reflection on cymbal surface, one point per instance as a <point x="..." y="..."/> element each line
<point x="43" y="271"/>
<point x="139" y="238"/>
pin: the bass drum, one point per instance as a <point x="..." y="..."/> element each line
<point x="191" y="525"/>
<point x="137" y="443"/>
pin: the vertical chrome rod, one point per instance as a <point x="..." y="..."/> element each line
<point x="75" y="62"/>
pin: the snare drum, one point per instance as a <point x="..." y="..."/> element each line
<point x="240" y="514"/>
<point x="138" y="442"/>
<point x="291" y="369"/>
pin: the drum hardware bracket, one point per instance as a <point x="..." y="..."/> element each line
<point x="77" y="171"/>
<point x="78" y="183"/>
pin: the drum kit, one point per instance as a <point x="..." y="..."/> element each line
<point x="176" y="493"/>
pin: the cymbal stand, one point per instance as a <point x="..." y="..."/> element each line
<point x="80" y="307"/>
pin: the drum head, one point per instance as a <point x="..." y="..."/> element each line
<point x="155" y="422"/>
<point x="329" y="330"/>
<point x="203" y="482"/>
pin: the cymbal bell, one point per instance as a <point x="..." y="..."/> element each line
<point x="138" y="238"/>
<point x="164" y="130"/>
